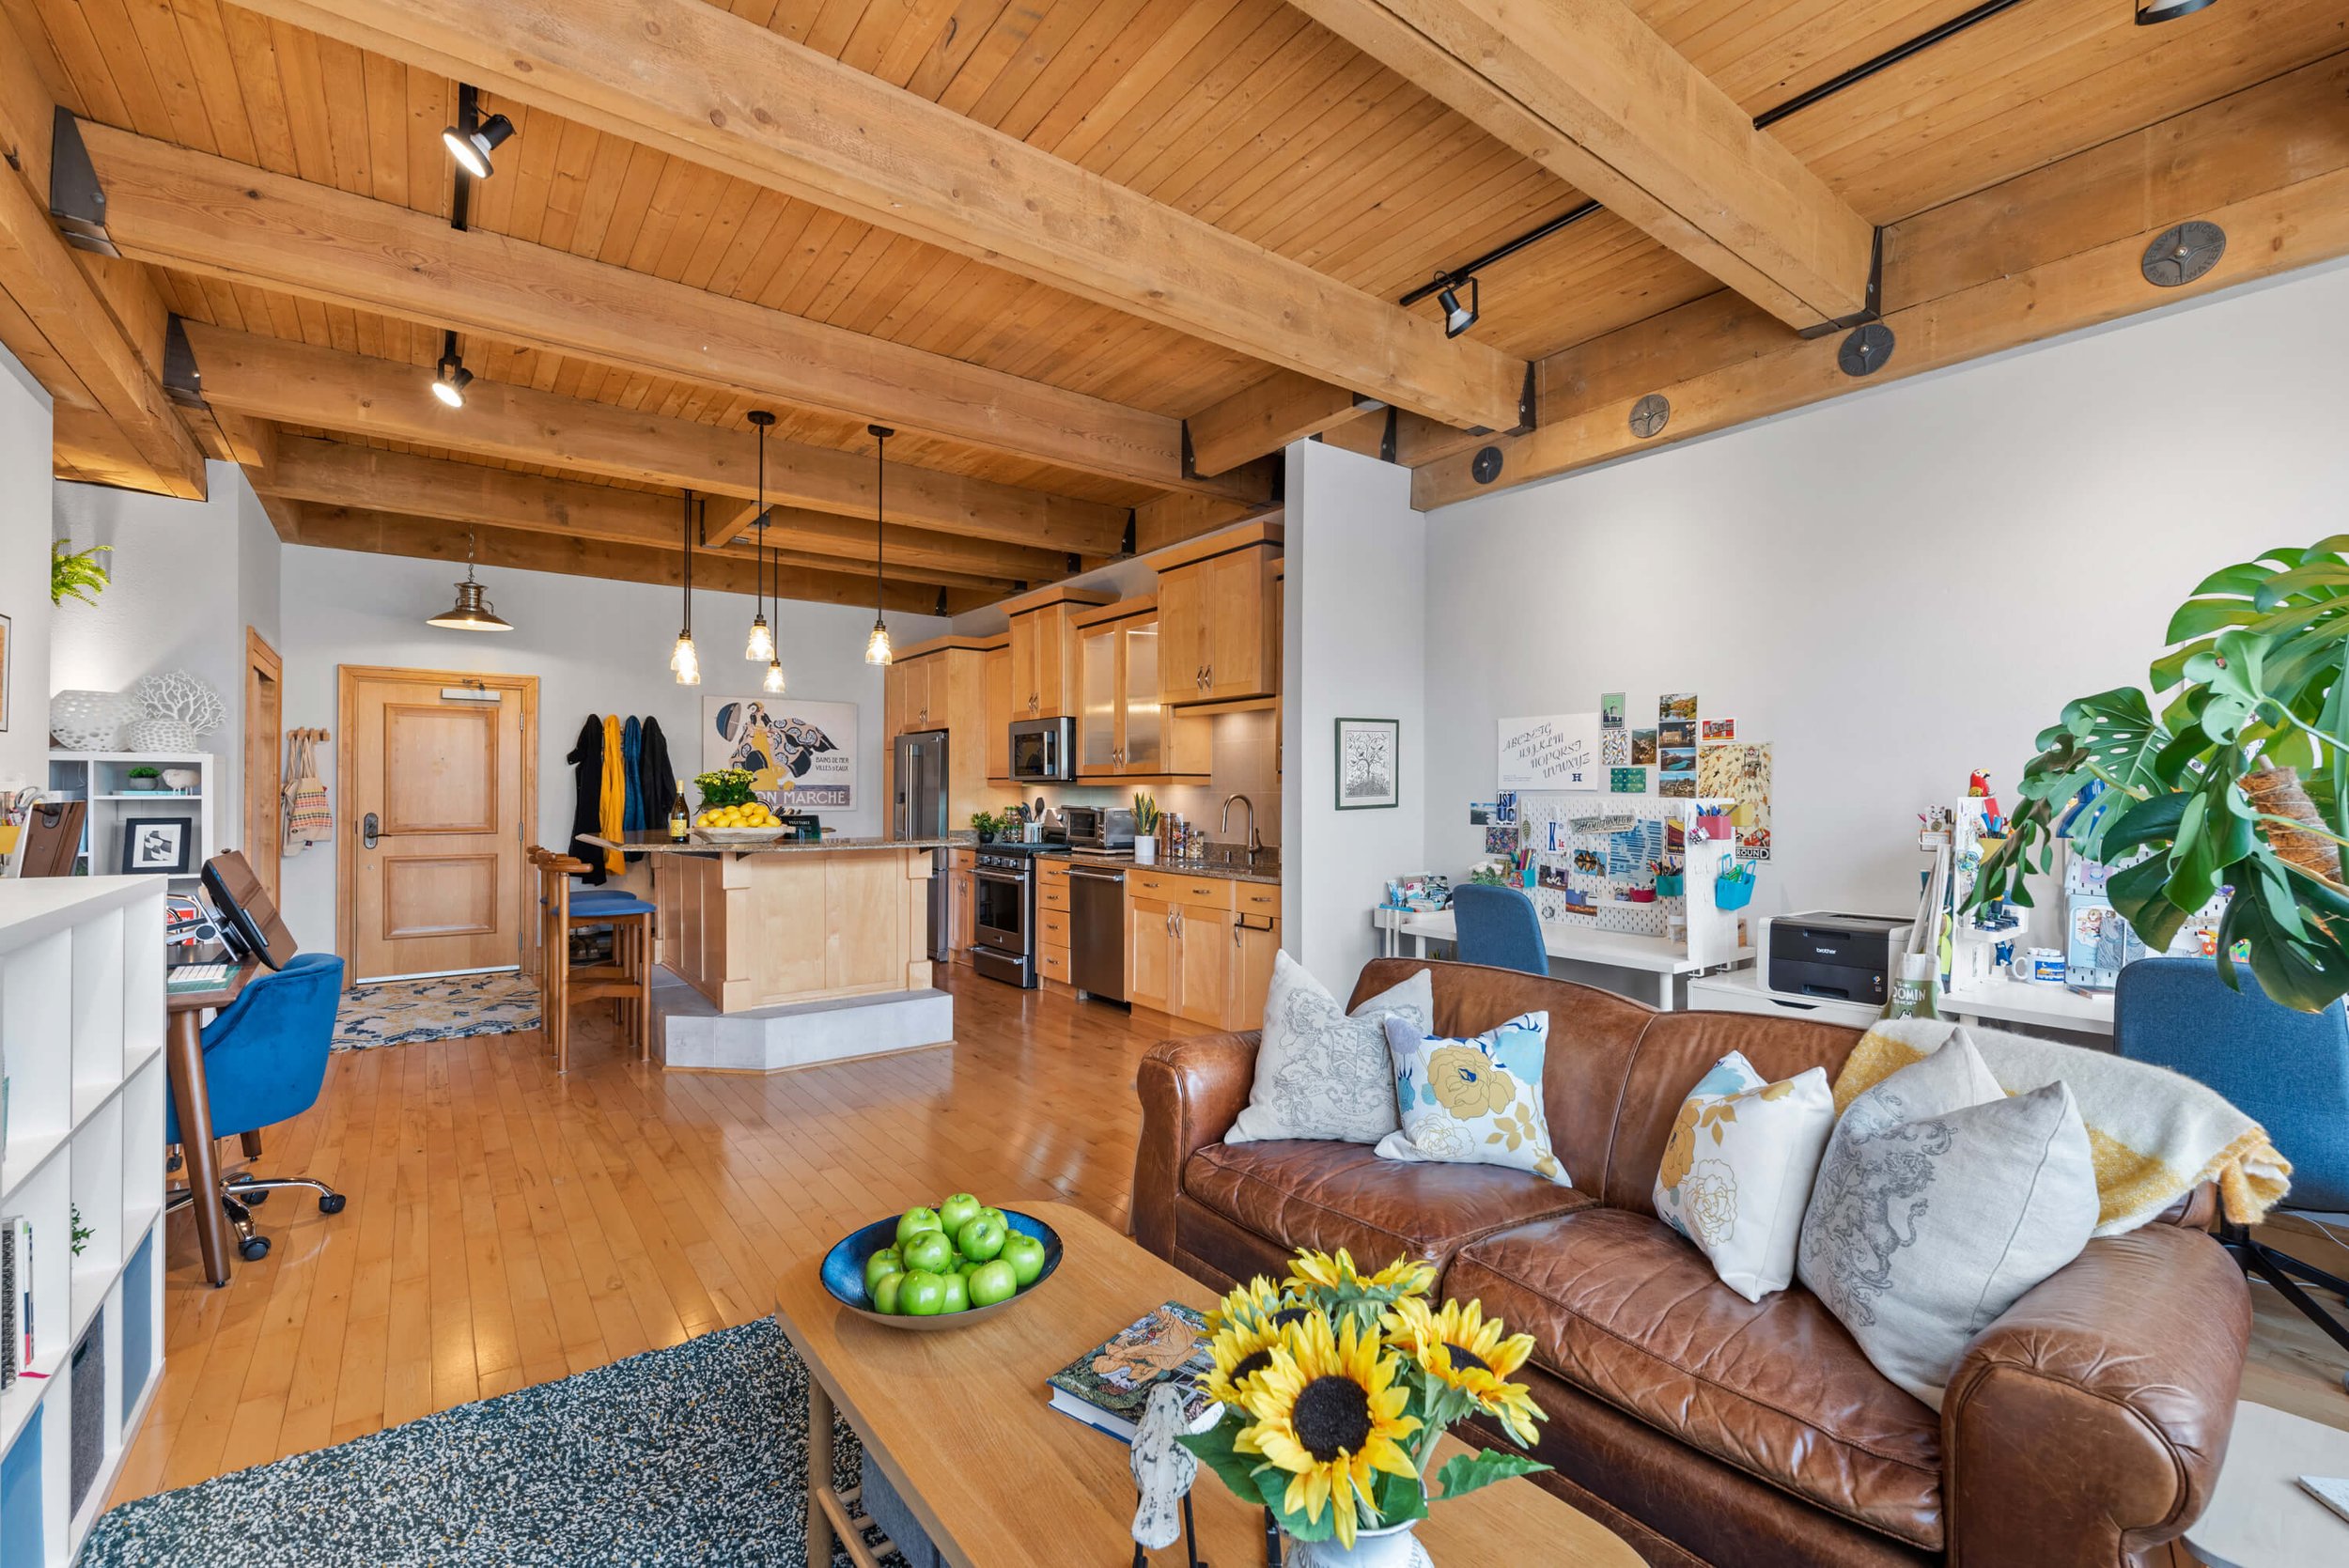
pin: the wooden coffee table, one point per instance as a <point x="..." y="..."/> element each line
<point x="959" y="1425"/>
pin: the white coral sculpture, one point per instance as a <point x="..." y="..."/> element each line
<point x="177" y="694"/>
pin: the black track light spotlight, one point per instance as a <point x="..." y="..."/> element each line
<point x="2151" y="11"/>
<point x="472" y="139"/>
<point x="1458" y="317"/>
<point x="450" y="377"/>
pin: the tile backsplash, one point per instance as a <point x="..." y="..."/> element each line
<point x="1246" y="762"/>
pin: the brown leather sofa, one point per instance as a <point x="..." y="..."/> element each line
<point x="2084" y="1427"/>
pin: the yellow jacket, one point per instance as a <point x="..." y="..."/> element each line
<point x="612" y="807"/>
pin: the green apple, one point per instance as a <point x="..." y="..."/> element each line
<point x="957" y="1212"/>
<point x="982" y="1239"/>
<point x="915" y="1221"/>
<point x="885" y="1291"/>
<point x="886" y="1261"/>
<point x="928" y="1252"/>
<point x="922" y="1294"/>
<point x="958" y="1293"/>
<point x="996" y="1215"/>
<point x="1026" y="1256"/>
<point x="991" y="1282"/>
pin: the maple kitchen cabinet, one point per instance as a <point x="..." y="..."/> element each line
<point x="1201" y="947"/>
<point x="1123" y="731"/>
<point x="940" y="684"/>
<point x="995" y="701"/>
<point x="1219" y="618"/>
<point x="1043" y="676"/>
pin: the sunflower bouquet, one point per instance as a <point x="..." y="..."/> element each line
<point x="1336" y="1384"/>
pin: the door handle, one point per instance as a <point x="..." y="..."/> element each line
<point x="369" y="830"/>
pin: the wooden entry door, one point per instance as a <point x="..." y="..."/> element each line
<point x="437" y="772"/>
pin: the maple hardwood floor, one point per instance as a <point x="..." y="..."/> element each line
<point x="507" y="1226"/>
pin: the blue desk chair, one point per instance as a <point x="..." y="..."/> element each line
<point x="264" y="1061"/>
<point x="2286" y="1069"/>
<point x="1498" y="926"/>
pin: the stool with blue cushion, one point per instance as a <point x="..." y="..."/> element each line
<point x="1498" y="926"/>
<point x="2285" y="1069"/>
<point x="264" y="1062"/>
<point x="626" y="979"/>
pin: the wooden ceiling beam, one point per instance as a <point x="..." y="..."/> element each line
<point x="301" y="383"/>
<point x="342" y="474"/>
<point x="1593" y="93"/>
<point x="391" y="534"/>
<point x="2053" y="251"/>
<point x="1282" y="408"/>
<point x="207" y="215"/>
<point x="100" y="319"/>
<point x="696" y="81"/>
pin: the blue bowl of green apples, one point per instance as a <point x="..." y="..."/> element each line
<point x="942" y="1268"/>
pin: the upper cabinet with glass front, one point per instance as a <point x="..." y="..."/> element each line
<point x="1124" y="729"/>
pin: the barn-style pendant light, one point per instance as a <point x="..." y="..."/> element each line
<point x="760" y="646"/>
<point x="471" y="612"/>
<point x="877" y="646"/>
<point x="684" y="660"/>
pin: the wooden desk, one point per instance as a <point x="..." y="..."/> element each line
<point x="183" y="1058"/>
<point x="959" y="1422"/>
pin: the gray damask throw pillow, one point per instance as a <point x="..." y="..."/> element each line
<point x="1939" y="1203"/>
<point x="1320" y="1073"/>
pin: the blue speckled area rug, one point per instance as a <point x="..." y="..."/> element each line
<point x="691" y="1455"/>
<point x="456" y="1007"/>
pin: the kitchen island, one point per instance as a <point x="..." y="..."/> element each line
<point x="754" y="926"/>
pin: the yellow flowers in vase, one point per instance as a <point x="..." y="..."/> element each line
<point x="1336" y="1384"/>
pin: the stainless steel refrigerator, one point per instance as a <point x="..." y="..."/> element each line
<point x="919" y="811"/>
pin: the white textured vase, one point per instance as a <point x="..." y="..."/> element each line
<point x="160" y="735"/>
<point x="1395" y="1547"/>
<point x="1145" y="849"/>
<point x="89" y="720"/>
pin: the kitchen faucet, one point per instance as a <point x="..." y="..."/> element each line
<point x="1255" y="843"/>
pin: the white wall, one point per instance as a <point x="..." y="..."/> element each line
<point x="1899" y="586"/>
<point x="24" y="469"/>
<point x="1357" y="643"/>
<point x="596" y="645"/>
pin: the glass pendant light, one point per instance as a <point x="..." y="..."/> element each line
<point x="876" y="649"/>
<point x="471" y="612"/>
<point x="761" y="644"/>
<point x="684" y="659"/>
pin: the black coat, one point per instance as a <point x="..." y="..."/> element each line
<point x="656" y="784"/>
<point x="586" y="760"/>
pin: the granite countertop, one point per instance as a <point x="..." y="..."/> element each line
<point x="1178" y="868"/>
<point x="661" y="844"/>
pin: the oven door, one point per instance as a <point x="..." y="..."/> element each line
<point x="1040" y="750"/>
<point x="1000" y="909"/>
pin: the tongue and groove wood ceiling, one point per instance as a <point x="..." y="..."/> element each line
<point x="1248" y="115"/>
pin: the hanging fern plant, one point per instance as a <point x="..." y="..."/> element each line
<point x="2241" y="781"/>
<point x="76" y="574"/>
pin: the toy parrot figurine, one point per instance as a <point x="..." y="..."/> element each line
<point x="1978" y="787"/>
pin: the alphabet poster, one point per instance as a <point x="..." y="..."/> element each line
<point x="1559" y="752"/>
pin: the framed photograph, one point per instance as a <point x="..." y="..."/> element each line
<point x="1369" y="762"/>
<point x="157" y="845"/>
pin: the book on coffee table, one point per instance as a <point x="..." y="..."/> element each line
<point x="1107" y="1385"/>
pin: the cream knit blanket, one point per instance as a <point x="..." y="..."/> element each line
<point x="2156" y="1135"/>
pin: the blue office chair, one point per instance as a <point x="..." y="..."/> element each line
<point x="264" y="1062"/>
<point x="1498" y="926"/>
<point x="2288" y="1070"/>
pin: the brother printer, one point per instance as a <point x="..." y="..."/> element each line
<point x="1835" y="958"/>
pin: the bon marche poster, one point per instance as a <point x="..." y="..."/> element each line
<point x="802" y="754"/>
<point x="1559" y="752"/>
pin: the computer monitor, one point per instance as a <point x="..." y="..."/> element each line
<point x="249" y="924"/>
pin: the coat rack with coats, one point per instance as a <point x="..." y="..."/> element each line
<point x="622" y="782"/>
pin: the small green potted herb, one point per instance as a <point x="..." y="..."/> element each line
<point x="1146" y="830"/>
<point x="987" y="825"/>
<point x="143" y="777"/>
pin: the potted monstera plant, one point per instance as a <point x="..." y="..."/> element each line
<point x="2240" y="780"/>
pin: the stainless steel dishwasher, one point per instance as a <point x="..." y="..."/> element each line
<point x="1097" y="932"/>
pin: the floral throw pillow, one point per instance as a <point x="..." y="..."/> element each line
<point x="1739" y="1167"/>
<point x="1476" y="1101"/>
<point x="1321" y="1071"/>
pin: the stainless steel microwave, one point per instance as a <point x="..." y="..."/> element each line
<point x="1044" y="751"/>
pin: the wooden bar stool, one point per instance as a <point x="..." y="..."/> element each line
<point x="627" y="981"/>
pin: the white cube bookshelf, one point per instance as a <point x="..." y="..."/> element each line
<point x="82" y="1029"/>
<point x="104" y="780"/>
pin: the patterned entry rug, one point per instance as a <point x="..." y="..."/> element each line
<point x="697" y="1454"/>
<point x="402" y="1012"/>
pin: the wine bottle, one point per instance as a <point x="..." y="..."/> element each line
<point x="679" y="818"/>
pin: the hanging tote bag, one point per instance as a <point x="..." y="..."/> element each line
<point x="1734" y="888"/>
<point x="308" y="817"/>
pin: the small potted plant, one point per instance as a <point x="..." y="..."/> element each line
<point x="723" y="787"/>
<point x="1146" y="830"/>
<point x="987" y="825"/>
<point x="1334" y="1386"/>
<point x="143" y="777"/>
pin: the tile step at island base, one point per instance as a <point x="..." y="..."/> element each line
<point x="695" y="1036"/>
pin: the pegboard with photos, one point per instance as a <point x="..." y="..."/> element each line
<point x="1584" y="868"/>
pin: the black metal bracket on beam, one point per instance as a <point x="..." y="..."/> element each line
<point x="1126" y="545"/>
<point x="1527" y="405"/>
<point x="77" y="203"/>
<point x="1189" y="471"/>
<point x="183" y="378"/>
<point x="941" y="599"/>
<point x="1872" y="310"/>
<point x="1386" y="438"/>
<point x="1074" y="562"/>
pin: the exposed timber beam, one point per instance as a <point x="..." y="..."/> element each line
<point x="390" y="533"/>
<point x="299" y="383"/>
<point x="693" y="80"/>
<point x="1282" y="408"/>
<point x="73" y="312"/>
<point x="341" y="473"/>
<point x="2052" y="251"/>
<point x="202" y="214"/>
<point x="1591" y="93"/>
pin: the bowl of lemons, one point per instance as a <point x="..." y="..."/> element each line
<point x="748" y="823"/>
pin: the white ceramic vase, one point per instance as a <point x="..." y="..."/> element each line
<point x="89" y="720"/>
<point x="153" y="735"/>
<point x="1395" y="1547"/>
<point x="1145" y="849"/>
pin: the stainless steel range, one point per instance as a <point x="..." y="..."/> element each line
<point x="1002" y="882"/>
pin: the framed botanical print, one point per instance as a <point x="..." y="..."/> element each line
<point x="1369" y="762"/>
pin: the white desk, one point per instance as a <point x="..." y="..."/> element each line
<point x="2034" y="1005"/>
<point x="1665" y="959"/>
<point x="2258" y="1517"/>
<point x="1740" y="991"/>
